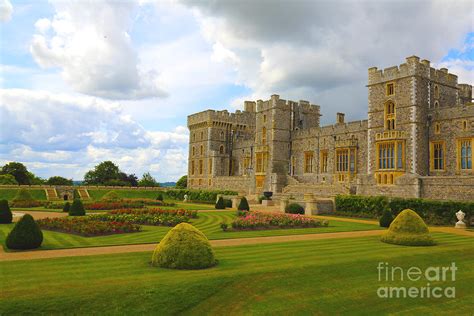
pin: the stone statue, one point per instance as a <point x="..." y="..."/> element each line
<point x="460" y="216"/>
<point x="185" y="198"/>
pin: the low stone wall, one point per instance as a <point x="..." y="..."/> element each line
<point x="237" y="183"/>
<point x="448" y="188"/>
<point x="406" y="186"/>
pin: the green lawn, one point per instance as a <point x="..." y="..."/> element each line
<point x="9" y="194"/>
<point x="330" y="277"/>
<point x="209" y="223"/>
<point x="97" y="194"/>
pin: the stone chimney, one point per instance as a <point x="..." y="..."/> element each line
<point x="340" y="118"/>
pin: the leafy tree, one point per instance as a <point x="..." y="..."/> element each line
<point x="25" y="235"/>
<point x="17" y="170"/>
<point x="102" y="173"/>
<point x="132" y="179"/>
<point x="6" y="215"/>
<point x="8" y="179"/>
<point x="147" y="180"/>
<point x="182" y="182"/>
<point x="56" y="180"/>
<point x="34" y="179"/>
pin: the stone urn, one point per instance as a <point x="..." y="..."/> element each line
<point x="460" y="223"/>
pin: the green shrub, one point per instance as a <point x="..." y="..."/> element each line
<point x="228" y="203"/>
<point x="25" y="235"/>
<point x="244" y="205"/>
<point x="111" y="196"/>
<point x="6" y="215"/>
<point x="241" y="213"/>
<point x="66" y="207"/>
<point x="325" y="223"/>
<point x="294" y="208"/>
<point x="8" y="179"/>
<point x="197" y="195"/>
<point x="362" y="204"/>
<point x="408" y="229"/>
<point x="386" y="218"/>
<point x="77" y="208"/>
<point x="262" y="198"/>
<point x="159" y="197"/>
<point x="224" y="226"/>
<point x="184" y="247"/>
<point x="220" y="204"/>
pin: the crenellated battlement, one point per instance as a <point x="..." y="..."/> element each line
<point x="412" y="67"/>
<point x="209" y="116"/>
<point x="328" y="130"/>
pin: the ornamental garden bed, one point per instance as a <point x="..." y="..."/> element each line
<point x="87" y="226"/>
<point x="158" y="211"/>
<point x="154" y="217"/>
<point x="265" y="220"/>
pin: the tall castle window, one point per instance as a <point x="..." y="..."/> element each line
<point x="436" y="92"/>
<point x="194" y="150"/>
<point x="465" y="153"/>
<point x="345" y="163"/>
<point x="264" y="135"/>
<point x="200" y="167"/>
<point x="221" y="149"/>
<point x="436" y="104"/>
<point x="261" y="162"/>
<point x="308" y="162"/>
<point x="390" y="115"/>
<point x="437" y="152"/>
<point x="437" y="128"/>
<point x="201" y="150"/>
<point x="202" y="135"/>
<point x="192" y="167"/>
<point x="390" y="89"/>
<point x="464" y="125"/>
<point x="390" y="158"/>
<point x="210" y="165"/>
<point x="324" y="161"/>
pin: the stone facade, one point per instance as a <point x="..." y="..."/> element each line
<point x="417" y="142"/>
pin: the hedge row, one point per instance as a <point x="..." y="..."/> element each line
<point x="433" y="212"/>
<point x="196" y="195"/>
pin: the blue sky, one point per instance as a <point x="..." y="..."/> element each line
<point x="87" y="81"/>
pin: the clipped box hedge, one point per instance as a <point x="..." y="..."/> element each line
<point x="433" y="212"/>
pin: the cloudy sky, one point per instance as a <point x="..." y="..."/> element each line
<point x="87" y="81"/>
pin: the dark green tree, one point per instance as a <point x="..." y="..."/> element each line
<point x="77" y="208"/>
<point x="25" y="235"/>
<point x="57" y="180"/>
<point x="147" y="180"/>
<point x="220" y="203"/>
<point x="8" y="179"/>
<point x="244" y="205"/>
<point x="102" y="173"/>
<point x="6" y="215"/>
<point x="182" y="182"/>
<point x="18" y="170"/>
<point x="386" y="219"/>
<point x="66" y="207"/>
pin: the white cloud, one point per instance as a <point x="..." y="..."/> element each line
<point x="89" y="41"/>
<point x="321" y="50"/>
<point x="68" y="134"/>
<point x="6" y="10"/>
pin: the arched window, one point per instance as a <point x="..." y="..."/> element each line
<point x="194" y="151"/>
<point x="437" y="128"/>
<point x="201" y="150"/>
<point x="194" y="137"/>
<point x="436" y="91"/>
<point x="464" y="125"/>
<point x="264" y="118"/>
<point x="390" y="115"/>
<point x="222" y="135"/>
<point x="436" y="104"/>
<point x="264" y="135"/>
<point x="221" y="149"/>
<point x="202" y="135"/>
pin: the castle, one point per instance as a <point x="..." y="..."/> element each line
<point x="417" y="142"/>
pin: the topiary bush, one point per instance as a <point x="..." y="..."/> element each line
<point x="66" y="207"/>
<point x="243" y="205"/>
<point x="220" y="204"/>
<point x="25" y="235"/>
<point x="6" y="215"/>
<point x="408" y="229"/>
<point x="77" y="208"/>
<point x="159" y="197"/>
<point x="184" y="247"/>
<point x="228" y="203"/>
<point x="111" y="196"/>
<point x="294" y="208"/>
<point x="386" y="218"/>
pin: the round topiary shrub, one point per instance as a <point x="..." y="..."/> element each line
<point x="6" y="215"/>
<point x="66" y="207"/>
<point x="184" y="247"/>
<point x="77" y="208"/>
<point x="386" y="218"/>
<point x="111" y="196"/>
<point x="243" y="205"/>
<point x="220" y="204"/>
<point x="408" y="229"/>
<point x="294" y="208"/>
<point x="159" y="197"/>
<point x="25" y="235"/>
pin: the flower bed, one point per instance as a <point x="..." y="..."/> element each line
<point x="181" y="212"/>
<point x="95" y="206"/>
<point x="266" y="220"/>
<point x="87" y="226"/>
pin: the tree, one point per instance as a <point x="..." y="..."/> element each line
<point x="56" y="180"/>
<point x="8" y="179"/>
<point x="102" y="173"/>
<point x="148" y="181"/>
<point x="182" y="182"/>
<point x="77" y="208"/>
<point x="35" y="179"/>
<point x="220" y="203"/>
<point x="244" y="205"/>
<point x="386" y="219"/>
<point x="25" y="235"/>
<point x="6" y="215"/>
<point x="17" y="170"/>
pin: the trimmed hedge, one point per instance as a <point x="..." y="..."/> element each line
<point x="220" y="204"/>
<point x="77" y="208"/>
<point x="196" y="195"/>
<point x="6" y="215"/>
<point x="244" y="205"/>
<point x="408" y="229"/>
<point x="66" y="207"/>
<point x="386" y="219"/>
<point x="228" y="203"/>
<point x="25" y="235"/>
<point x="294" y="208"/>
<point x="433" y="212"/>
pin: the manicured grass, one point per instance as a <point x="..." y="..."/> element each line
<point x="9" y="194"/>
<point x="329" y="277"/>
<point x="208" y="223"/>
<point x="97" y="194"/>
